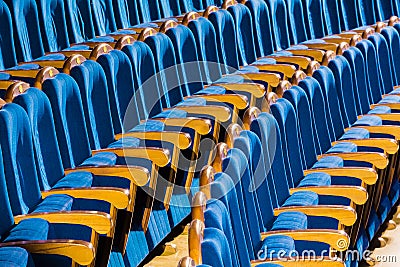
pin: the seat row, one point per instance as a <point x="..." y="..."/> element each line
<point x="91" y="121"/>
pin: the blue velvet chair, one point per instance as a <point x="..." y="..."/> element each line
<point x="15" y="256"/>
<point x="36" y="234"/>
<point x="296" y="21"/>
<point x="314" y="18"/>
<point x="25" y="195"/>
<point x="277" y="9"/>
<point x="367" y="12"/>
<point x="28" y="40"/>
<point x="350" y="14"/>
<point x="53" y="13"/>
<point x="8" y="58"/>
<point x="75" y="145"/>
<point x="238" y="197"/>
<point x="126" y="14"/>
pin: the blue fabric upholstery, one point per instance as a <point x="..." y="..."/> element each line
<point x="79" y="20"/>
<point x="31" y="229"/>
<point x="342" y="147"/>
<point x="316" y="179"/>
<point x="205" y="36"/>
<point x="303" y="198"/>
<point x="290" y="220"/>
<point x="244" y="34"/>
<point x="15" y="257"/>
<point x="7" y="50"/>
<point x="278" y="15"/>
<point x="53" y="25"/>
<point x="262" y="31"/>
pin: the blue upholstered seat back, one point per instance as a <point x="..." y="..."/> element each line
<point x="326" y="80"/>
<point x="215" y="243"/>
<point x="278" y="15"/>
<point x="118" y="71"/>
<point x="79" y="20"/>
<point x="216" y="216"/>
<point x="384" y="9"/>
<point x="298" y="98"/>
<point x="223" y="188"/>
<point x="19" y="162"/>
<point x="47" y="152"/>
<point x="284" y="113"/>
<point x="226" y="39"/>
<point x="393" y="40"/>
<point x="7" y="218"/>
<point x="53" y="25"/>
<point x="344" y="88"/>
<point x="313" y="18"/>
<point x="148" y="10"/>
<point x="322" y="138"/>
<point x="374" y="83"/>
<point x="296" y="21"/>
<point x="244" y="33"/>
<point x="92" y="83"/>
<point x="27" y="35"/>
<point x="332" y="17"/>
<point x="68" y="114"/>
<point x="7" y="50"/>
<point x="186" y="56"/>
<point x="367" y="11"/>
<point x="172" y="89"/>
<point x="262" y="31"/>
<point x="205" y="36"/>
<point x="254" y="175"/>
<point x="126" y="13"/>
<point x="103" y="17"/>
<point x="382" y="51"/>
<point x="350" y="14"/>
<point x="361" y="92"/>
<point x="147" y="93"/>
<point x="170" y="8"/>
<point x="267" y="129"/>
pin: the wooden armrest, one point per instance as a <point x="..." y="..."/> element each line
<point x="239" y="101"/>
<point x="367" y="175"/>
<point x="99" y="221"/>
<point x="201" y="126"/>
<point x="272" y="79"/>
<point x="379" y="160"/>
<point x="136" y="174"/>
<point x="69" y="53"/>
<point x="287" y="69"/>
<point x="347" y="34"/>
<point x="302" y="61"/>
<point x="385" y="116"/>
<point x="159" y="156"/>
<point x="59" y="64"/>
<point x="337" y="239"/>
<point x="256" y="89"/>
<point x="221" y="114"/>
<point x="81" y="252"/>
<point x="383" y="129"/>
<point x="390" y="146"/>
<point x="179" y="139"/>
<point x="316" y="54"/>
<point x="345" y="215"/>
<point x="357" y="194"/>
<point x="303" y="261"/>
<point x="323" y="46"/>
<point x="118" y="197"/>
<point x="390" y="105"/>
